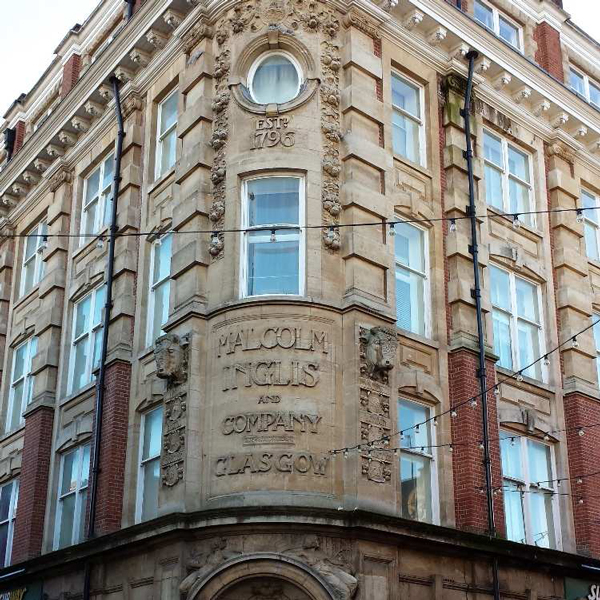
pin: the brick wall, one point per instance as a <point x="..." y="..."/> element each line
<point x="467" y="457"/>
<point x="70" y="74"/>
<point x="548" y="54"/>
<point x="33" y="485"/>
<point x="19" y="136"/>
<point x="111" y="479"/>
<point x="584" y="457"/>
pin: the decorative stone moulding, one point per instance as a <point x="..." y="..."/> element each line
<point x="541" y="107"/>
<point x="39" y="164"/>
<point x="559" y="120"/>
<point x="172" y="18"/>
<point x="502" y="80"/>
<point x="55" y="151"/>
<point x="388" y="5"/>
<point x="594" y="147"/>
<point x="140" y="57"/>
<point x="580" y="132"/>
<point x="30" y="177"/>
<point x="413" y="19"/>
<point x="105" y="91"/>
<point x="193" y="37"/>
<point x="436" y="36"/>
<point x="94" y="109"/>
<point x="67" y="138"/>
<point x="460" y="51"/>
<point x="522" y="94"/>
<point x="80" y="124"/>
<point x="157" y="39"/>
<point x="123" y="74"/>
<point x="482" y="65"/>
<point x="8" y="201"/>
<point x="193" y="2"/>
<point x="19" y="189"/>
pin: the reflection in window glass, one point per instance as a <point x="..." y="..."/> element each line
<point x="150" y="464"/>
<point x="407" y="123"/>
<point x="275" y="80"/>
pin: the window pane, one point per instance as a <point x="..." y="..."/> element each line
<point x="493" y="187"/>
<point x="406" y="96"/>
<point x="274" y="200"/>
<point x="3" y="544"/>
<point x="152" y="433"/>
<point x="484" y="14"/>
<point x="31" y="243"/>
<point x="519" y="199"/>
<point x="107" y="176"/>
<point x="17" y="406"/>
<point x="273" y="266"/>
<point x="90" y="217"/>
<point x="596" y="320"/>
<point x="518" y="163"/>
<point x="410" y="309"/>
<point x="20" y="356"/>
<point x="591" y="241"/>
<point x="510" y="448"/>
<point x="405" y="134"/>
<point x="408" y="246"/>
<point x="577" y="83"/>
<point x="29" y="276"/>
<point x="542" y="528"/>
<point x="509" y="33"/>
<point x="500" y="288"/>
<point x="99" y="302"/>
<point x="502" y="343"/>
<point x="81" y="527"/>
<point x="150" y="497"/>
<point x="415" y="482"/>
<point x="529" y="349"/>
<point x="589" y="201"/>
<point x="162" y="259"/>
<point x="275" y="81"/>
<point x="492" y="148"/>
<point x="82" y="316"/>
<point x="107" y="198"/>
<point x="409" y="414"/>
<point x="540" y="469"/>
<point x="70" y="472"/>
<point x="168" y="112"/>
<point x="161" y="308"/>
<point x="66" y="521"/>
<point x="80" y="377"/>
<point x="168" y="153"/>
<point x="97" y="349"/>
<point x="92" y="186"/>
<point x="5" y="496"/>
<point x="85" y="466"/>
<point x="595" y="94"/>
<point x="527" y="300"/>
<point x="513" y="508"/>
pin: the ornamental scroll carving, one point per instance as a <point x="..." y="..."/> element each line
<point x="378" y="347"/>
<point x="171" y="357"/>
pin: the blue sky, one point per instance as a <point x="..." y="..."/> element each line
<point x="33" y="29"/>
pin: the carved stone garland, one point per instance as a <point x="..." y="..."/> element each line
<point x="377" y="357"/>
<point x="171" y="356"/>
<point x="219" y="143"/>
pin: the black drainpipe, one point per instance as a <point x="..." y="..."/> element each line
<point x="474" y="249"/>
<point x="130" y="6"/>
<point x="97" y="436"/>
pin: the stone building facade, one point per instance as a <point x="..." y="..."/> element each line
<point x="291" y="407"/>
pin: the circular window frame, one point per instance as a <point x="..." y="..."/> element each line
<point x="259" y="60"/>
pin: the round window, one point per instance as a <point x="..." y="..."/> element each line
<point x="274" y="79"/>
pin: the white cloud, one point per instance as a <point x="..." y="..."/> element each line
<point x="586" y="15"/>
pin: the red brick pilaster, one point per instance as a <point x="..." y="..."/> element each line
<point x="19" y="136"/>
<point x="584" y="458"/>
<point x="548" y="54"/>
<point x="467" y="433"/>
<point x="113" y="447"/>
<point x="70" y="74"/>
<point x="33" y="485"/>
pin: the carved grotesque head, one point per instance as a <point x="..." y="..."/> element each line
<point x="170" y="356"/>
<point x="379" y="352"/>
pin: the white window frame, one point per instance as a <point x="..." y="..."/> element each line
<point x="514" y="318"/>
<point x="587" y="82"/>
<point x="92" y="331"/>
<point x="266" y="229"/>
<point x="80" y="507"/>
<point x="139" y="504"/>
<point x="153" y="285"/>
<point x="160" y="137"/>
<point x="596" y="333"/>
<point x="496" y="16"/>
<point x="27" y="387"/>
<point x="37" y="258"/>
<point x="526" y="484"/>
<point x="430" y="453"/>
<point x="420" y="121"/>
<point x="104" y="195"/>
<point x="12" y="513"/>
<point x="427" y="299"/>
<point x="589" y="222"/>
<point x="262" y="58"/>
<point x="530" y="219"/>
